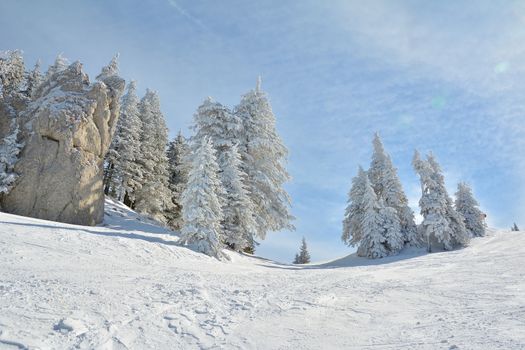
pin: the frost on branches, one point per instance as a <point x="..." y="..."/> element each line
<point x="352" y="229"/>
<point x="441" y="223"/>
<point x="468" y="207"/>
<point x="201" y="206"/>
<point x="263" y="157"/>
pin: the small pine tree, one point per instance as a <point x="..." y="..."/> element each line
<point x="60" y="64"/>
<point x="468" y="207"/>
<point x="303" y="257"/>
<point x="12" y="72"/>
<point x="515" y="227"/>
<point x="33" y="80"/>
<point x="201" y="206"/>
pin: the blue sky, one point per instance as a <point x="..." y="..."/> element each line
<point x="446" y="76"/>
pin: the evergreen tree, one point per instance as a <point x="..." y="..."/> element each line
<point x="238" y="221"/>
<point x="373" y="243"/>
<point x="468" y="207"/>
<point x="263" y="157"/>
<point x="153" y="197"/>
<point x="201" y="207"/>
<point x="386" y="184"/>
<point x="440" y="221"/>
<point x="515" y="227"/>
<point x="178" y="153"/>
<point x="303" y="257"/>
<point x="352" y="230"/>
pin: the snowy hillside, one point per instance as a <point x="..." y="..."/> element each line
<point x="127" y="285"/>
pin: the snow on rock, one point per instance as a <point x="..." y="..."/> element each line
<point x="67" y="131"/>
<point x="128" y="285"/>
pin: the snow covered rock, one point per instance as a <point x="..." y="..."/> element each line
<point x="68" y="128"/>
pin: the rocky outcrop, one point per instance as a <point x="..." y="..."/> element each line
<point x="66" y="129"/>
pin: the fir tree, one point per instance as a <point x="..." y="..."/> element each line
<point x="468" y="207"/>
<point x="238" y="222"/>
<point x="303" y="257"/>
<point x="263" y="157"/>
<point x="386" y="184"/>
<point x="373" y="243"/>
<point x="178" y="153"/>
<point x="153" y="197"/>
<point x="201" y="207"/>
<point x="515" y="227"/>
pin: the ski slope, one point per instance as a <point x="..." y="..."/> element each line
<point x="127" y="285"/>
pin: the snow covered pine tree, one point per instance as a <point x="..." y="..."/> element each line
<point x="263" y="157"/>
<point x="515" y="227"/>
<point x="201" y="206"/>
<point x="468" y="207"/>
<point x="303" y="257"/>
<point x="153" y="198"/>
<point x="441" y="223"/>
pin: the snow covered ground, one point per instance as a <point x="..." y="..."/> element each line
<point x="127" y="285"/>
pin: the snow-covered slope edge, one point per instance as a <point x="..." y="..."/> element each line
<point x="126" y="285"/>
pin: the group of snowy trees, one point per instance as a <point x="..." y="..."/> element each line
<point x="137" y="167"/>
<point x="223" y="188"/>
<point x="234" y="193"/>
<point x="379" y="221"/>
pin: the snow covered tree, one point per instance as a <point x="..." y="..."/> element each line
<point x="201" y="206"/>
<point x="9" y="150"/>
<point x="153" y="197"/>
<point x="468" y="207"/>
<point x="515" y="227"/>
<point x="178" y="153"/>
<point x="373" y="242"/>
<point x="386" y="184"/>
<point x="441" y="223"/>
<point x="33" y="79"/>
<point x="263" y="157"/>
<point x="352" y="230"/>
<point x="238" y="223"/>
<point x="303" y="257"/>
